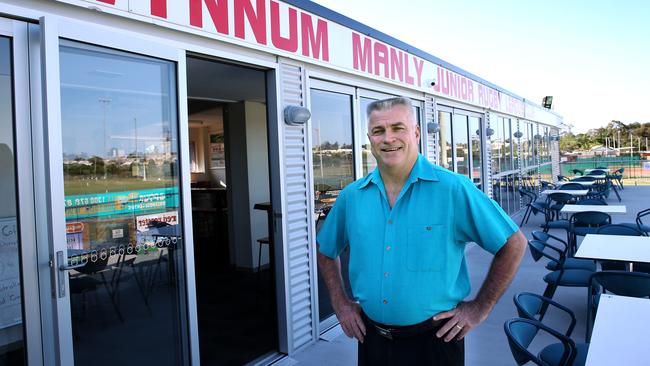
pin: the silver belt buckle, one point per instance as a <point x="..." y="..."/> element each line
<point x="384" y="332"/>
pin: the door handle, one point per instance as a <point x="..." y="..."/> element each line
<point x="62" y="266"/>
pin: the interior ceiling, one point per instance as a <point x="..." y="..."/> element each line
<point x="211" y="80"/>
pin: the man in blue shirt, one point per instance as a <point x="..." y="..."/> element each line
<point x="407" y="224"/>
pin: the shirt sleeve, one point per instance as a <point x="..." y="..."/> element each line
<point x="480" y="219"/>
<point x="332" y="237"/>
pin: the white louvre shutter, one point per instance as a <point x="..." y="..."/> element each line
<point x="488" y="158"/>
<point x="297" y="213"/>
<point x="432" y="144"/>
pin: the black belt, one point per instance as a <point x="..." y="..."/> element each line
<point x="402" y="331"/>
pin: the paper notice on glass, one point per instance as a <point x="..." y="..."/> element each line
<point x="10" y="302"/>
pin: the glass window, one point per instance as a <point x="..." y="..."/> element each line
<point x="446" y="147"/>
<point x="120" y="163"/>
<point x="331" y="144"/>
<point x="331" y="121"/>
<point x="507" y="145"/>
<point x="461" y="143"/>
<point x="496" y="143"/>
<point x="12" y="347"/>
<point x="477" y="159"/>
<point x="368" y="161"/>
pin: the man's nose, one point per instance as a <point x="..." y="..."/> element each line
<point x="389" y="135"/>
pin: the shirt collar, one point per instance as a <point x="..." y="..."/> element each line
<point x="420" y="170"/>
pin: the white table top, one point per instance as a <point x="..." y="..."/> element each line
<point x="586" y="184"/>
<point x="621" y="332"/>
<point x="578" y="192"/>
<point x="610" y="209"/>
<point x="615" y="247"/>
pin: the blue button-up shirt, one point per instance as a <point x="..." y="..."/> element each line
<point x="407" y="263"/>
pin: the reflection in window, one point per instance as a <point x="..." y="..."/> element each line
<point x="331" y="137"/>
<point x="120" y="163"/>
<point x="461" y="142"/>
<point x="501" y="146"/>
<point x="12" y="347"/>
<point x="446" y="146"/>
<point x="368" y="161"/>
<point x="477" y="161"/>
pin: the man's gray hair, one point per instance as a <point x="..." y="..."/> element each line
<point x="381" y="105"/>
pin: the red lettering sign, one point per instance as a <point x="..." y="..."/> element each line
<point x="314" y="44"/>
<point x="218" y="13"/>
<point x="382" y="60"/>
<point x="159" y="8"/>
<point x="257" y="20"/>
<point x="362" y="58"/>
<point x="288" y="44"/>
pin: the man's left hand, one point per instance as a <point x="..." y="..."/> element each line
<point x="462" y="319"/>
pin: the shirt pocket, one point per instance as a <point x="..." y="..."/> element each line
<point x="426" y="248"/>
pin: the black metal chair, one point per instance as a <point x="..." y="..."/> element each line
<point x="592" y="202"/>
<point x="623" y="283"/>
<point x="529" y="306"/>
<point x="587" y="222"/>
<point x="562" y="276"/>
<point x="578" y="172"/>
<point x="617" y="177"/>
<point x="572" y="187"/>
<point x="522" y="332"/>
<point x="569" y="262"/>
<point x="645" y="229"/>
<point x="532" y="205"/>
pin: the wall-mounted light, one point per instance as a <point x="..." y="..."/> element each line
<point x="489" y="132"/>
<point x="555" y="138"/>
<point x="296" y="115"/>
<point x="433" y="127"/>
<point x="538" y="137"/>
<point x="518" y="134"/>
<point x="547" y="102"/>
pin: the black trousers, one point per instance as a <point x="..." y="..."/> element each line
<point x="422" y="349"/>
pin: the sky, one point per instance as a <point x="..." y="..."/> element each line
<point x="593" y="57"/>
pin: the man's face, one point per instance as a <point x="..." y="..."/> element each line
<point x="393" y="137"/>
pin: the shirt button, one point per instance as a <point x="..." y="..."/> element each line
<point x="385" y="301"/>
<point x="387" y="247"/>
<point x="386" y="274"/>
<point x="390" y="222"/>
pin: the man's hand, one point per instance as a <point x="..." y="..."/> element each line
<point x="462" y="319"/>
<point x="349" y="315"/>
<point x="347" y="311"/>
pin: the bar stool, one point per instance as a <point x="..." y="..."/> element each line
<point x="262" y="241"/>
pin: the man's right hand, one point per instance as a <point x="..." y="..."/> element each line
<point x="349" y="315"/>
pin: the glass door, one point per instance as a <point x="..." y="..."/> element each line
<point x="12" y="330"/>
<point x="118" y="227"/>
<point x="333" y="166"/>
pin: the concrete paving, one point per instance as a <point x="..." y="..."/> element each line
<point x="487" y="344"/>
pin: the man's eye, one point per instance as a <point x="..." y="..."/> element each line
<point x="377" y="132"/>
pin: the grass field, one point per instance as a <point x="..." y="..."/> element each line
<point x="78" y="186"/>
